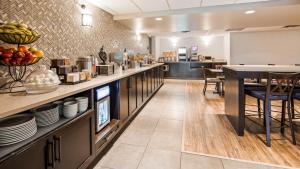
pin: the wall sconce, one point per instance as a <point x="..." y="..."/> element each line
<point x="86" y="16"/>
<point x="87" y="20"/>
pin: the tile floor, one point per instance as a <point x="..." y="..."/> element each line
<point x="153" y="140"/>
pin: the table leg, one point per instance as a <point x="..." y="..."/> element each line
<point x="235" y="103"/>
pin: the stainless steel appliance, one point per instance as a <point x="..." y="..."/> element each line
<point x="182" y="54"/>
<point x="194" y="53"/>
<point x="85" y="63"/>
<point x="102" y="107"/>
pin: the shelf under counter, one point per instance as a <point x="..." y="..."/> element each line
<point x="10" y="150"/>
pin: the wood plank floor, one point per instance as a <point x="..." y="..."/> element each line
<point x="206" y="130"/>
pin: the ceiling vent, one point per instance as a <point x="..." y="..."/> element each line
<point x="291" y="26"/>
<point x="234" y="29"/>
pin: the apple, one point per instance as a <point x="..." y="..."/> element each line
<point x="13" y="62"/>
<point x="1" y="48"/>
<point x="19" y="55"/>
<point x="7" y="54"/>
<point x="28" y="55"/>
<point x="19" y="61"/>
<point x="6" y="60"/>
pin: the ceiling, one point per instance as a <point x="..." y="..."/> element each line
<point x="201" y="15"/>
<point x="120" y="7"/>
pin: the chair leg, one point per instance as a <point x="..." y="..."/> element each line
<point x="282" y="125"/>
<point x="291" y="124"/>
<point x="259" y="108"/>
<point x="268" y="127"/>
<point x="293" y="108"/>
<point x="264" y="113"/>
<point x="205" y="86"/>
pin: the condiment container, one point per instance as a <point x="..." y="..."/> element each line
<point x="73" y="78"/>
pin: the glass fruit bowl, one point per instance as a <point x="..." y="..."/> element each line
<point x="41" y="81"/>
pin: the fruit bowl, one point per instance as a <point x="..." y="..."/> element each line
<point x="16" y="38"/>
<point x="18" y="62"/>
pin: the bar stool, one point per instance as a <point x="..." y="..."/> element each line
<point x="209" y="81"/>
<point x="281" y="90"/>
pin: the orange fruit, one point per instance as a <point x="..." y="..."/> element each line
<point x="23" y="48"/>
<point x="39" y="53"/>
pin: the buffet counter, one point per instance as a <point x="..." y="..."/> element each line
<point x="48" y="132"/>
<point x="189" y="70"/>
<point x="11" y="105"/>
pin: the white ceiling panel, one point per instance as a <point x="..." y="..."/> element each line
<point x="151" y="5"/>
<point x="276" y="16"/>
<point x="217" y="2"/>
<point x="248" y="1"/>
<point x="179" y="4"/>
<point x="120" y="7"/>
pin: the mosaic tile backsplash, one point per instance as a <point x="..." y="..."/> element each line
<point x="59" y="23"/>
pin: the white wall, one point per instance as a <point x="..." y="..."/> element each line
<point x="275" y="47"/>
<point x="216" y="48"/>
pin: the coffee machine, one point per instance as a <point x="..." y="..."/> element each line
<point x="182" y="54"/>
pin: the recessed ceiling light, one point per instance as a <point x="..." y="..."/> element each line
<point x="158" y="19"/>
<point x="250" y="12"/>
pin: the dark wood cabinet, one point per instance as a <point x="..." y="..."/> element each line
<point x="153" y="80"/>
<point x="76" y="137"/>
<point x="149" y="82"/>
<point x="68" y="148"/>
<point x="145" y="86"/>
<point x="124" y="104"/>
<point x="139" y="80"/>
<point x="132" y="94"/>
<point x="32" y="158"/>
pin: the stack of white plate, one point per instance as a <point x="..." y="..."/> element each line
<point x="17" y="128"/>
<point x="46" y="115"/>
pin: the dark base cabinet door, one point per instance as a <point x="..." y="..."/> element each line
<point x="139" y="79"/>
<point x="132" y="94"/>
<point x="153" y="80"/>
<point x="73" y="144"/>
<point x="124" y="109"/>
<point x="149" y="82"/>
<point x="145" y="86"/>
<point x="33" y="158"/>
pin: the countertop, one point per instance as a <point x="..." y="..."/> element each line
<point x="263" y="68"/>
<point x="210" y="61"/>
<point x="11" y="105"/>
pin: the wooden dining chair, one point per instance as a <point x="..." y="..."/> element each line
<point x="296" y="96"/>
<point x="209" y="81"/>
<point x="281" y="90"/>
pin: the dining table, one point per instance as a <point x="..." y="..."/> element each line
<point x="234" y="84"/>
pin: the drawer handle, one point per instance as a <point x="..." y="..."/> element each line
<point x="50" y="157"/>
<point x="57" y="145"/>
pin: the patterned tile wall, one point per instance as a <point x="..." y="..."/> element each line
<point x="59" y="23"/>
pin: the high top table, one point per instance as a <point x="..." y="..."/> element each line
<point x="234" y="85"/>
